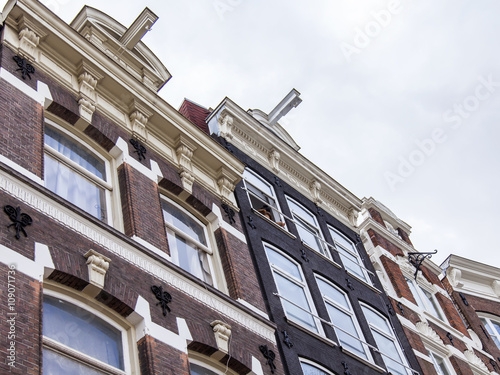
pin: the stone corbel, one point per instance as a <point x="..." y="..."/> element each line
<point x="454" y="276"/>
<point x="495" y="285"/>
<point x="226" y="183"/>
<point x="352" y="214"/>
<point x="315" y="189"/>
<point x="139" y="116"/>
<point x="426" y="330"/>
<point x="97" y="265"/>
<point x="184" y="150"/>
<point x="29" y="38"/>
<point x="222" y="332"/>
<point x="274" y="160"/>
<point x="88" y="77"/>
<point x="226" y="126"/>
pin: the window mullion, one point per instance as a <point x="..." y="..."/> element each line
<point x="188" y="238"/>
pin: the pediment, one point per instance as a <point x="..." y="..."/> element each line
<point x="111" y="37"/>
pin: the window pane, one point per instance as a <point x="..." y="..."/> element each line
<point x="388" y="347"/>
<point x="283" y="263"/>
<point x="183" y="222"/>
<point x="74" y="152"/>
<point x="308" y="235"/>
<point x="308" y="369"/>
<point x="351" y="264"/>
<point x="432" y="307"/>
<point x="333" y="293"/>
<point x="189" y="258"/>
<point x="305" y="215"/>
<point x="57" y="364"/>
<point x="416" y="293"/>
<point x="342" y="240"/>
<point x="376" y="320"/>
<point x="80" y="330"/>
<point x="75" y="188"/>
<point x="199" y="370"/>
<point x="297" y="295"/>
<point x="439" y="364"/>
<point x="346" y="323"/>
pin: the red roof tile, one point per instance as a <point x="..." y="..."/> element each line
<point x="195" y="113"/>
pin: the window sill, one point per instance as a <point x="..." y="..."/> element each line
<point x="363" y="282"/>
<point x="283" y="229"/>
<point x="312" y="333"/>
<point x="321" y="255"/>
<point x="364" y="361"/>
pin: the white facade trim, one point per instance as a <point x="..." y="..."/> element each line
<point x="41" y="95"/>
<point x="33" y="177"/>
<point x="34" y="269"/>
<point x="134" y="256"/>
<point x="226" y="226"/>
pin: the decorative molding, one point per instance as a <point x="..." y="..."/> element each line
<point x="495" y="285"/>
<point x="132" y="255"/>
<point x="269" y="355"/>
<point x="28" y="43"/>
<point x="139" y="149"/>
<point x="19" y="220"/>
<point x="88" y="77"/>
<point x="425" y="329"/>
<point x="475" y="360"/>
<point x="184" y="150"/>
<point x="352" y="215"/>
<point x="226" y="183"/>
<point x="164" y="298"/>
<point x="226" y="126"/>
<point x="97" y="265"/>
<point x="25" y="67"/>
<point x="274" y="160"/>
<point x="222" y="332"/>
<point x="139" y="116"/>
<point x="315" y="190"/>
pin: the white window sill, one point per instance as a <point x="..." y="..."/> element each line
<point x="312" y="333"/>
<point x="363" y="281"/>
<point x="363" y="360"/>
<point x="321" y="255"/>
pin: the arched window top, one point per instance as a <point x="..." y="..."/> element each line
<point x="311" y="368"/>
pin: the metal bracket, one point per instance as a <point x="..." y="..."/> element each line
<point x="416" y="259"/>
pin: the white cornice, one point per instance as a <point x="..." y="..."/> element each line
<point x="385" y="211"/>
<point x="257" y="141"/>
<point x="61" y="52"/>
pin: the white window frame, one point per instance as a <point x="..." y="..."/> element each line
<point x="315" y="365"/>
<point x="301" y="283"/>
<point x="349" y="312"/>
<point x="209" y="364"/>
<point x="437" y="367"/>
<point x="249" y="176"/>
<point x="487" y="320"/>
<point x="353" y="252"/>
<point x="402" y="358"/>
<point x="206" y="250"/>
<point x="130" y="363"/>
<point x="307" y="225"/>
<point x="103" y="184"/>
<point x="426" y="300"/>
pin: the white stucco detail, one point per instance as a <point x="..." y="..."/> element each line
<point x="34" y="269"/>
<point x="256" y="367"/>
<point x="33" y="177"/>
<point x="226" y="226"/>
<point x="41" y="95"/>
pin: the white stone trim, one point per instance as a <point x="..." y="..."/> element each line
<point x="146" y="326"/>
<point x="151" y="247"/>
<point x="256" y="367"/>
<point x="121" y="154"/>
<point x="33" y="177"/>
<point x="74" y="222"/>
<point x="226" y="226"/>
<point x="253" y="308"/>
<point x="41" y="95"/>
<point x="34" y="269"/>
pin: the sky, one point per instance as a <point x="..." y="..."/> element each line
<point x="401" y="98"/>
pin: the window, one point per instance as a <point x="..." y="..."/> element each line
<point x="187" y="240"/>
<point x="200" y="370"/>
<point x="425" y="300"/>
<point x="203" y="365"/>
<point x="308" y="227"/>
<point x="75" y="341"/>
<point x="309" y="368"/>
<point x="76" y="173"/>
<point x="293" y="290"/>
<point x="439" y="364"/>
<point x="262" y="197"/>
<point x="343" y="319"/>
<point x="386" y="342"/>
<point x="349" y="255"/>
<point x="493" y="328"/>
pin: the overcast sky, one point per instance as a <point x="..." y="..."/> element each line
<point x="401" y="99"/>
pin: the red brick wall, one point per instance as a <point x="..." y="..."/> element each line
<point x="156" y="357"/>
<point x="405" y="236"/>
<point x="461" y="367"/>
<point x="397" y="279"/>
<point x="451" y="314"/>
<point x="376" y="216"/>
<point x="378" y="240"/>
<point x="427" y="367"/>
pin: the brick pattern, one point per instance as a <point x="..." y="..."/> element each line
<point x="378" y="240"/>
<point x="25" y="333"/>
<point x="415" y="341"/>
<point x="142" y="211"/>
<point x="238" y="268"/>
<point x="427" y="367"/>
<point x="404" y="236"/>
<point x="451" y="314"/>
<point x="430" y="276"/>
<point x="460" y="367"/>
<point x="457" y="343"/>
<point x="156" y="357"/>
<point x="376" y="216"/>
<point x="397" y="279"/>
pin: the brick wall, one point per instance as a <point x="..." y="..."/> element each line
<point x="397" y="279"/>
<point x="378" y="240"/>
<point x="376" y="216"/>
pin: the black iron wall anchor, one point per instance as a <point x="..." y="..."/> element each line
<point x="464" y="300"/>
<point x="286" y="340"/>
<point x="25" y="67"/>
<point x="346" y="368"/>
<point x="250" y="222"/>
<point x="229" y="213"/>
<point x="304" y="255"/>
<point x="270" y="356"/>
<point x="19" y="220"/>
<point x="164" y="298"/>
<point x="416" y="259"/>
<point x="349" y="284"/>
<point x="401" y="308"/>
<point x="450" y="337"/>
<point x="139" y="149"/>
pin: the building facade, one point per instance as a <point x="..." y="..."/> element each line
<point x="319" y="286"/>
<point x="120" y="250"/>
<point x="423" y="300"/>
